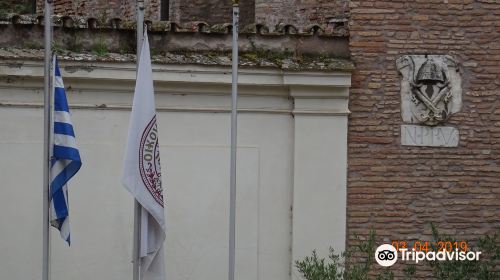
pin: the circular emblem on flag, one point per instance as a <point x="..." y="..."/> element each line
<point x="149" y="161"/>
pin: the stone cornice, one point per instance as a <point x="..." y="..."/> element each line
<point x="337" y="26"/>
<point x="102" y="85"/>
<point x="180" y="74"/>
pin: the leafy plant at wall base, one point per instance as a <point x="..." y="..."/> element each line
<point x="490" y="266"/>
<point x="483" y="269"/>
<point x="57" y="48"/>
<point x="343" y="266"/>
<point x="409" y="271"/>
<point x="346" y="267"/>
<point x="314" y="268"/>
<point x="100" y="49"/>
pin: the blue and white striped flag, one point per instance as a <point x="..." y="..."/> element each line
<point x="65" y="159"/>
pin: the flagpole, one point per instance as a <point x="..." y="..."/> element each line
<point x="137" y="205"/>
<point x="46" y="140"/>
<point x="234" y="117"/>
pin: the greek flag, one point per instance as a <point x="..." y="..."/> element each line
<point x="65" y="159"/>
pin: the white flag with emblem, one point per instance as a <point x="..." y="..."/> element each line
<point x="142" y="172"/>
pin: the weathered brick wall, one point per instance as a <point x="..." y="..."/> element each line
<point x="211" y="11"/>
<point x="299" y="12"/>
<point x="397" y="190"/>
<point x="269" y="12"/>
<point x="16" y="6"/>
<point x="106" y="9"/>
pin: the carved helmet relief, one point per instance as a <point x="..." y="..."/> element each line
<point x="430" y="88"/>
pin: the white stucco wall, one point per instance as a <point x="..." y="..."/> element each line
<point x="291" y="166"/>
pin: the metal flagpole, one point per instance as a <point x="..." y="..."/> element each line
<point x="234" y="116"/>
<point x="137" y="206"/>
<point x="46" y="140"/>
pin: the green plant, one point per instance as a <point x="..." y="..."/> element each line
<point x="99" y="49"/>
<point x="57" y="48"/>
<point x="356" y="263"/>
<point x="409" y="271"/>
<point x="490" y="264"/>
<point x="365" y="249"/>
<point x="315" y="268"/>
<point x="486" y="268"/>
<point x="345" y="266"/>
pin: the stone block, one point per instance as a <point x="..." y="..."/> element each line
<point x="433" y="136"/>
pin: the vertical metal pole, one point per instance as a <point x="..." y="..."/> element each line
<point x="137" y="206"/>
<point x="234" y="117"/>
<point x="140" y="28"/>
<point x="46" y="140"/>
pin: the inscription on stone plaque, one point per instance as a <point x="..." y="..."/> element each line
<point x="431" y="93"/>
<point x="434" y="136"/>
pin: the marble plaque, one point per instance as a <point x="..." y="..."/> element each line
<point x="433" y="136"/>
<point x="431" y="88"/>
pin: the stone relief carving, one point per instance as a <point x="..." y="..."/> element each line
<point x="430" y="88"/>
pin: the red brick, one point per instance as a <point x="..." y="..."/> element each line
<point x="456" y="188"/>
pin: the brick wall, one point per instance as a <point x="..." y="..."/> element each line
<point x="270" y="12"/>
<point x="299" y="12"/>
<point x="17" y="6"/>
<point x="105" y="9"/>
<point x="211" y="11"/>
<point x="397" y="190"/>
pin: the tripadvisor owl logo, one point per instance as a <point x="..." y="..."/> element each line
<point x="386" y="255"/>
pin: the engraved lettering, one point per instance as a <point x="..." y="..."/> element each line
<point x="437" y="136"/>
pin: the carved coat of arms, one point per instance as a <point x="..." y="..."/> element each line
<point x="430" y="88"/>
